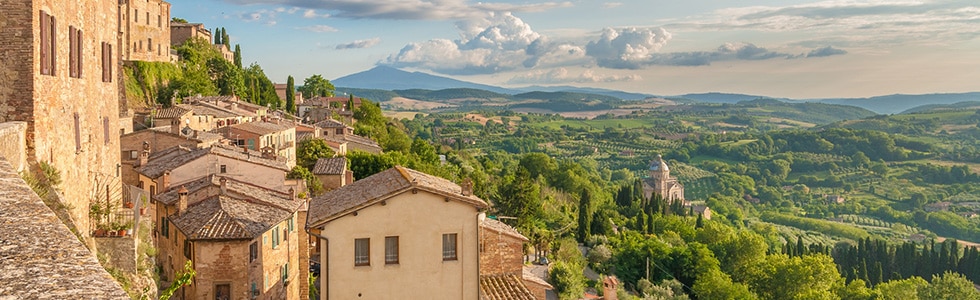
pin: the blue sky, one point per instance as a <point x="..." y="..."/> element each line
<point x="787" y="48"/>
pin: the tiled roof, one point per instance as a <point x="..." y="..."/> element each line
<point x="206" y="110"/>
<point x="528" y="276"/>
<point x="224" y="217"/>
<point x="502" y="228"/>
<point x="504" y="287"/>
<point x="330" y="123"/>
<point x="172" y="158"/>
<point x="171" y="112"/>
<point x="378" y="187"/>
<point x="361" y="140"/>
<point x="261" y="127"/>
<point x="243" y="211"/>
<point x="200" y="136"/>
<point x="330" y="166"/>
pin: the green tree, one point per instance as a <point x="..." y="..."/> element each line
<point x="316" y="86"/>
<point x="313" y="184"/>
<point x="567" y="279"/>
<point x="949" y="285"/>
<point x="801" y="277"/>
<point x="716" y="285"/>
<point x="424" y="151"/>
<point x="290" y="93"/>
<point x="520" y="197"/>
<point x="584" y="215"/>
<point x="181" y="279"/>
<point x="225" y="39"/>
<point x="308" y="151"/>
<point x="238" y="56"/>
<point x="903" y="289"/>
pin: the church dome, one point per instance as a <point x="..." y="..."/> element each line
<point x="659" y="164"/>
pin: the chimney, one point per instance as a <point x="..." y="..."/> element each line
<point x="224" y="185"/>
<point x="144" y="154"/>
<point x="467" y="187"/>
<point x="181" y="200"/>
<point x="164" y="182"/>
<point x="292" y="193"/>
<point x="175" y="126"/>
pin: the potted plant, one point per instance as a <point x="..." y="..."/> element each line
<point x="143" y="204"/>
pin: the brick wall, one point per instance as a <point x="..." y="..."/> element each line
<point x="50" y="103"/>
<point x="501" y="253"/>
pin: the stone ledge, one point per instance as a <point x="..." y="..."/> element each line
<point x="39" y="257"/>
<point x="13" y="144"/>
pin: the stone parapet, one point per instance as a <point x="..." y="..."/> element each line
<point x="13" y="144"/>
<point x="121" y="251"/>
<point x="39" y="257"/>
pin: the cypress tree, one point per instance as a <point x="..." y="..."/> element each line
<point x="290" y="92"/>
<point x="238" y="56"/>
<point x="700" y="222"/>
<point x="225" y="39"/>
<point x="584" y="215"/>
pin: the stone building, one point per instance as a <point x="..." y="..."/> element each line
<point x="243" y="240"/>
<point x="337" y="133"/>
<point x="59" y="72"/>
<point x="151" y="141"/>
<point x="269" y="137"/>
<point x="144" y="30"/>
<point x="398" y="234"/>
<point x="502" y="270"/>
<point x="181" y="32"/>
<point x="333" y="172"/>
<point x="662" y="183"/>
<point x="160" y="171"/>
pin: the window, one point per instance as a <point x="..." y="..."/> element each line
<point x="284" y="271"/>
<point x="133" y="154"/>
<point x="147" y="18"/>
<point x="159" y="24"/>
<point x="292" y="224"/>
<point x="164" y="227"/>
<point x="74" y="52"/>
<point x="222" y="291"/>
<point x="78" y="135"/>
<point x="224" y="168"/>
<point x="362" y="252"/>
<point x="49" y="38"/>
<point x="187" y="249"/>
<point x="449" y="246"/>
<point x="136" y="15"/>
<point x="149" y="45"/>
<point x="253" y="251"/>
<point x="275" y="237"/>
<point x="340" y="131"/>
<point x="255" y="290"/>
<point x="285" y="234"/>
<point x="391" y="250"/>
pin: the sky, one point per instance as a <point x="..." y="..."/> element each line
<point x="779" y="48"/>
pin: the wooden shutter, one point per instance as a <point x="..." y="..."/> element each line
<point x="105" y="126"/>
<point x="78" y="135"/>
<point x="72" y="52"/>
<point x="78" y="53"/>
<point x="45" y="47"/>
<point x="53" y="49"/>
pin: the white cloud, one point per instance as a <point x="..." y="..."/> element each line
<point x="612" y="4"/>
<point x="319" y="28"/>
<point x="359" y="44"/>
<point x="562" y="75"/>
<point x="627" y="48"/>
<point x="311" y="14"/>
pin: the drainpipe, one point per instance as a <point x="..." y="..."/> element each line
<point x="324" y="271"/>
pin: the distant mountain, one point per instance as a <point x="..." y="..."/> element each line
<point x="893" y="104"/>
<point x="719" y="97"/>
<point x="388" y="78"/>
<point x="940" y="107"/>
<point x="597" y="91"/>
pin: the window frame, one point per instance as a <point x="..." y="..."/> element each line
<point x="253" y="251"/>
<point x="275" y="237"/>
<point x="362" y="245"/>
<point x="392" y="250"/>
<point x="450" y="251"/>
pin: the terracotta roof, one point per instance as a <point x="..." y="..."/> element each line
<point x="350" y="138"/>
<point x="378" y="187"/>
<point x="262" y="127"/>
<point x="330" y="123"/>
<point x="224" y="217"/>
<point x="530" y="277"/>
<point x="206" y="110"/>
<point x="500" y="227"/>
<point x="503" y="287"/>
<point x="242" y="211"/>
<point x="172" y="112"/>
<point x="330" y="166"/>
<point x="200" y="136"/>
<point x="172" y="158"/>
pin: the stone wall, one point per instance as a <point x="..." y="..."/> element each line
<point x="13" y="139"/>
<point x="145" y="30"/>
<point x="40" y="257"/>
<point x="121" y="251"/>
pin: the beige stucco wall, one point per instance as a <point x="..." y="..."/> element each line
<point x="419" y="220"/>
